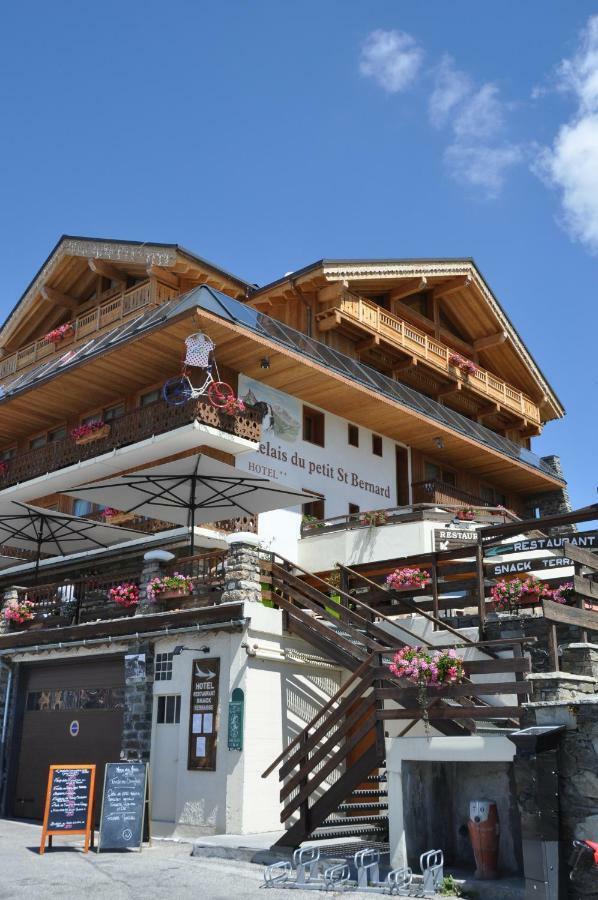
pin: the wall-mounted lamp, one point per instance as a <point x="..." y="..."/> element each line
<point x="265" y="362"/>
<point x="439" y="443"/>
<point x="179" y="649"/>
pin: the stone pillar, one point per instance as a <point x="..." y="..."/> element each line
<point x="242" y="569"/>
<point x="153" y="561"/>
<point x="548" y="687"/>
<point x="581" y="659"/>
<point x="137" y="715"/>
<point x="10" y="593"/>
<point x="551" y="502"/>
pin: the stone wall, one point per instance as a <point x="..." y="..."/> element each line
<point x="138" y="705"/>
<point x="551" y="502"/>
<point x="242" y="570"/>
<point x="578" y="778"/>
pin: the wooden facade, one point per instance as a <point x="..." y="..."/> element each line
<point x="405" y="320"/>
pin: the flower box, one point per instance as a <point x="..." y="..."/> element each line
<point x="95" y="435"/>
<point x="119" y="517"/>
<point x="466" y="515"/>
<point x="62" y="333"/>
<point x="162" y="596"/>
<point x="169" y="587"/>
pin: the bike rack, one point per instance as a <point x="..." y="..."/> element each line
<point x="311" y="876"/>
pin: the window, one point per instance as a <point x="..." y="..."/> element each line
<point x="314" y="510"/>
<point x="149" y="398"/>
<point x="353" y="435"/>
<point x="313" y="426"/>
<point x="419" y="303"/>
<point x="5" y="455"/>
<point x="492" y="497"/>
<point x="56" y="434"/>
<point x="353" y="509"/>
<point x="82" y="507"/>
<point x="376" y="445"/>
<point x="163" y="667"/>
<point x="114" y="412"/>
<point x="169" y="709"/>
<point x="432" y="472"/>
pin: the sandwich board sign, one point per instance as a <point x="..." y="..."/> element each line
<point x="125" y="803"/>
<point x="69" y="803"/>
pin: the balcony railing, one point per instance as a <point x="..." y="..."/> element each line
<point x="117" y="308"/>
<point x="433" y="491"/>
<point x="435" y="353"/>
<point x="158" y="418"/>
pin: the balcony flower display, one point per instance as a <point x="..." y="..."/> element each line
<point x="108" y="512"/>
<point x="408" y="578"/>
<point x="467" y="514"/>
<point x="373" y="518"/>
<point x="509" y="595"/>
<point x="564" y="594"/>
<point x="233" y="406"/>
<point x="463" y="364"/>
<point x="59" y="334"/>
<point x="169" y="587"/>
<point x="90" y="431"/>
<point x="19" y="611"/>
<point x="3" y="468"/>
<point x="125" y="594"/>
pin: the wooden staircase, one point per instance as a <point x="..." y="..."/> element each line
<point x="323" y="770"/>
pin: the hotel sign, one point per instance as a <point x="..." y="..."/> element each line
<point x="203" y="715"/>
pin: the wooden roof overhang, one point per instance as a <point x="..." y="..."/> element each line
<point x="70" y="272"/>
<point x="463" y="293"/>
<point x="155" y="354"/>
<point x="226" y="616"/>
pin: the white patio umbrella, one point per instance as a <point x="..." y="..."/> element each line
<point x="56" y="533"/>
<point x="190" y="491"/>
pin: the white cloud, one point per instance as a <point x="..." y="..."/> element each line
<point x="481" y="116"/>
<point x="482" y="166"/>
<point x="571" y="163"/>
<point x="451" y="86"/>
<point x="391" y="58"/>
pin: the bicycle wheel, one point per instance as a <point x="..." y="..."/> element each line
<point x="177" y="391"/>
<point x="220" y="393"/>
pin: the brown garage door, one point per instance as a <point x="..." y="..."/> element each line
<point x="73" y="713"/>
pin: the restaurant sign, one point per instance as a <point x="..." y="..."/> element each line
<point x="531" y="564"/>
<point x="451" y="538"/>
<point x="203" y="718"/>
<point x="588" y="540"/>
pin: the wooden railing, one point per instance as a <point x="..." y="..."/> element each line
<point x="422" y="346"/>
<point x="72" y="602"/>
<point x="158" y="418"/>
<point x="117" y="308"/>
<point x="434" y="491"/>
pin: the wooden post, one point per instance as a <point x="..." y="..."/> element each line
<point x="304" y="807"/>
<point x="553" y="647"/>
<point x="479" y="556"/>
<point x="580" y="602"/>
<point x="435" y="590"/>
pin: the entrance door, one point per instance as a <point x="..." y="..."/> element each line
<point x="73" y="713"/>
<point x="402" y="476"/>
<point x="165" y="756"/>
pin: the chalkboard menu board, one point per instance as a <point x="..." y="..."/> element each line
<point x="123" y="806"/>
<point x="69" y="802"/>
<point x="203" y="722"/>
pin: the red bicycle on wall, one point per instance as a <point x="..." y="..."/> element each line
<point x="199" y="355"/>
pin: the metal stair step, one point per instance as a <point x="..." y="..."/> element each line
<point x="366" y="792"/>
<point x="372" y="778"/>
<point x="327" y="832"/>
<point x="363" y="807"/>
<point x="333" y="822"/>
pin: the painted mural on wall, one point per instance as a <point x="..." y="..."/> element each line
<point x="341" y="473"/>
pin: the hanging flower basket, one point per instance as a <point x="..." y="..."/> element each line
<point x="467" y="514"/>
<point x="407" y="577"/>
<point x="91" y="431"/>
<point x="169" y="587"/>
<point x="59" y="334"/>
<point x="426" y="668"/>
<point x="125" y="594"/>
<point x="3" y="468"/>
<point x="509" y="596"/>
<point x="564" y="594"/>
<point x="19" y="612"/>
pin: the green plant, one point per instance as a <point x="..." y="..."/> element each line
<point x="451" y="888"/>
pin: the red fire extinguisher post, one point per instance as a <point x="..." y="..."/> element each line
<point x="484" y="831"/>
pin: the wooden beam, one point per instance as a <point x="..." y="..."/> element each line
<point x="100" y="267"/>
<point x="332" y="291"/>
<point x="452" y="389"/>
<point x="570" y="615"/>
<point x="578" y="554"/>
<point x="404" y="366"/>
<point x="369" y="344"/>
<point x="454" y="285"/>
<point x="58" y="298"/>
<point x="163" y="275"/>
<point x="328" y="322"/>
<point x="490" y="340"/>
<point x="410" y="287"/>
<point x="490" y="409"/>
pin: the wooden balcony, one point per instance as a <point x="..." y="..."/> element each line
<point x="368" y="317"/>
<point x="135" y="426"/>
<point x="117" y="308"/>
<point x="432" y="491"/>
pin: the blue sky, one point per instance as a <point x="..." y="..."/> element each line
<point x="266" y="135"/>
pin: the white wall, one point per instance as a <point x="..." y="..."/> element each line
<point x="318" y="552"/>
<point x="341" y="473"/>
